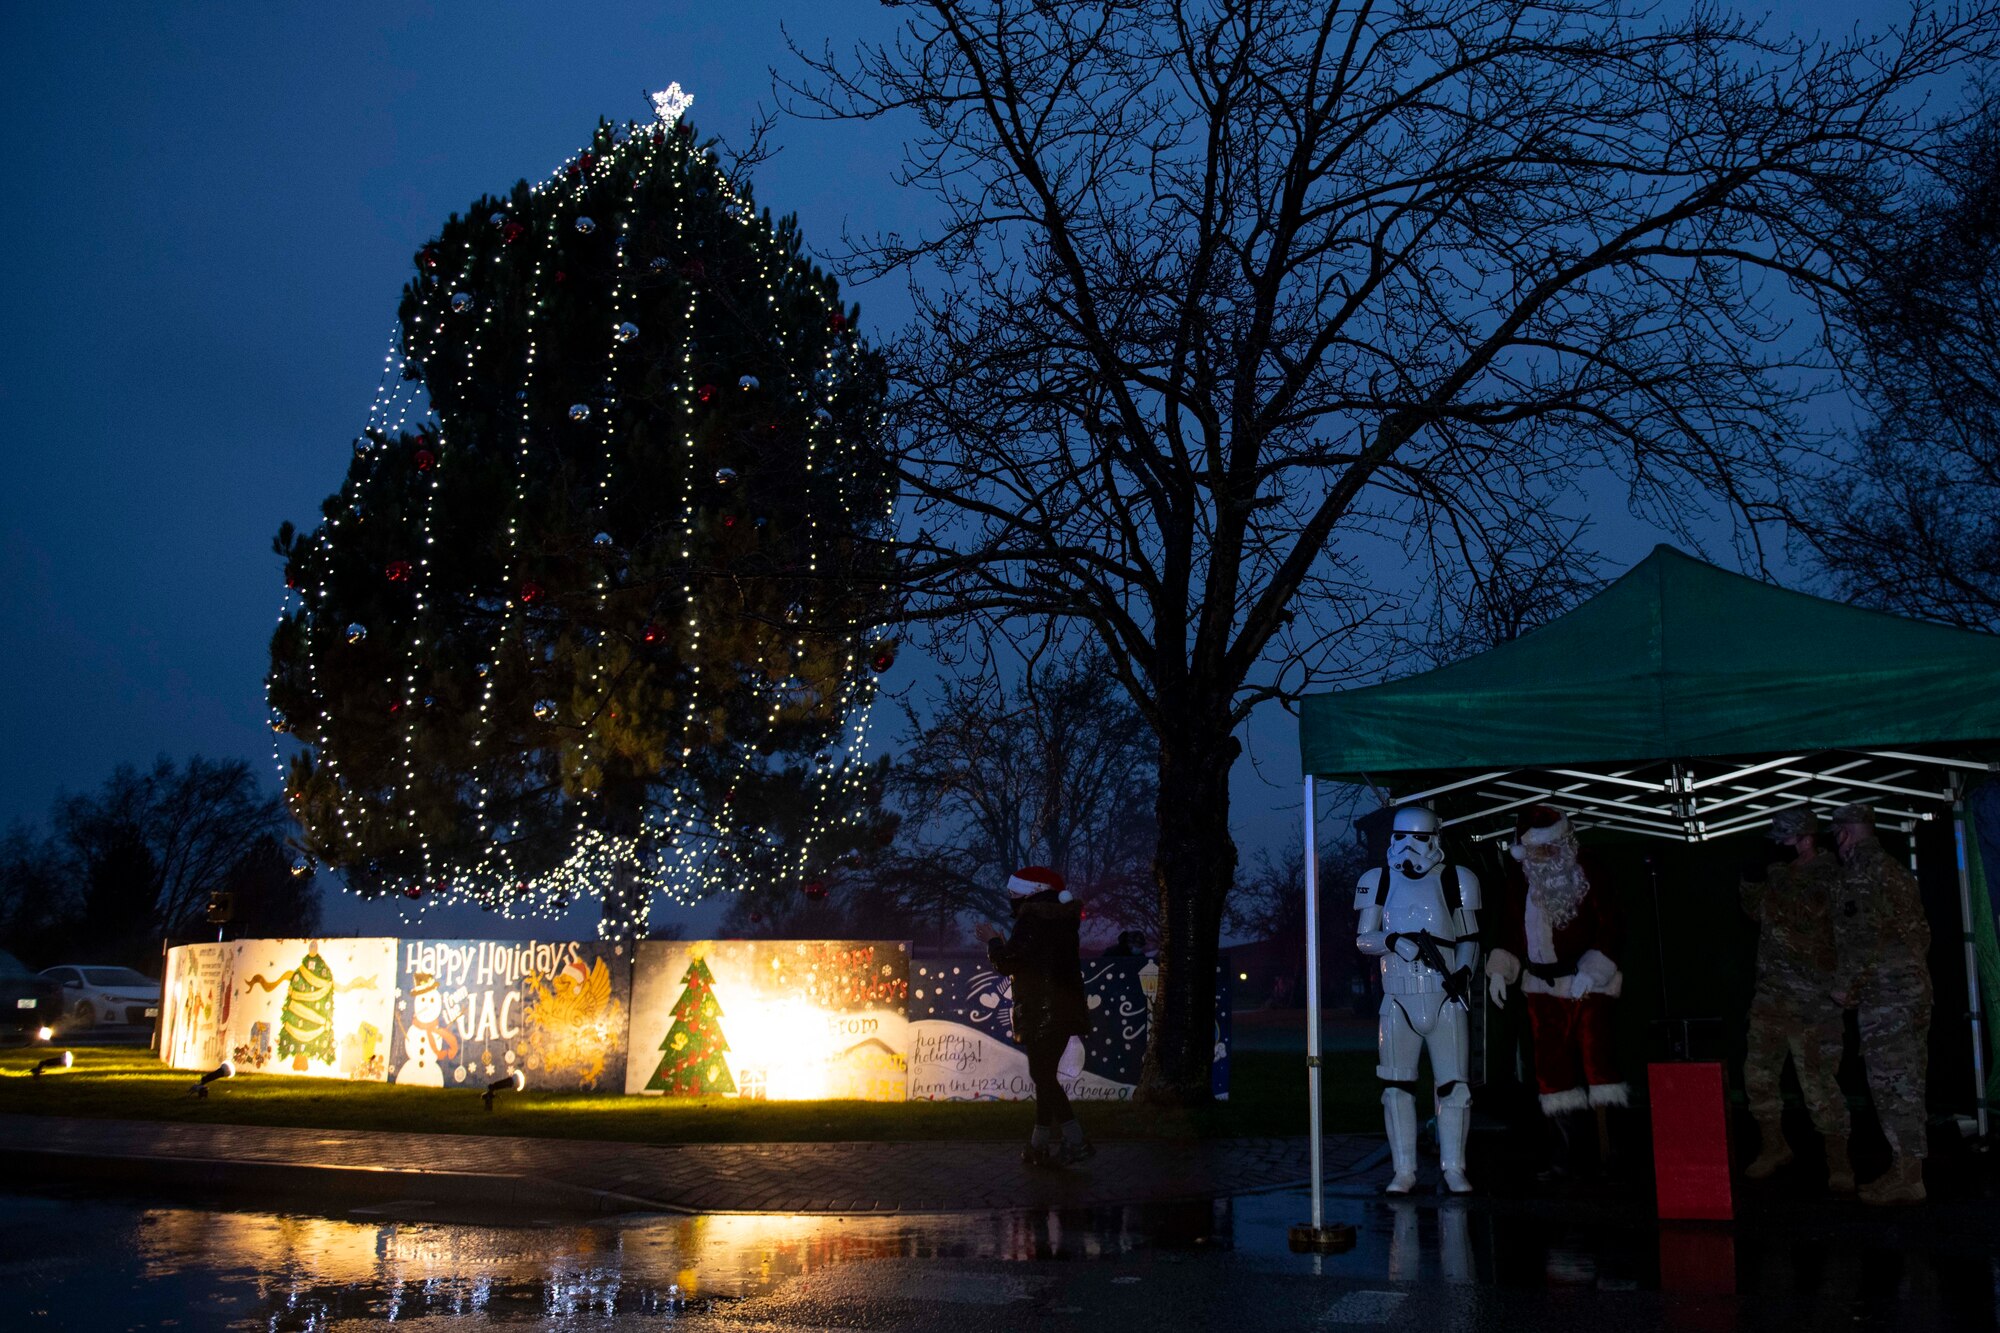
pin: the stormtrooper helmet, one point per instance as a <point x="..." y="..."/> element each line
<point x="1416" y="841"/>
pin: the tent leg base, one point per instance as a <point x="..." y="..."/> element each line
<point x="1333" y="1238"/>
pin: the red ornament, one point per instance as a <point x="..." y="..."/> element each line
<point x="428" y="257"/>
<point x="562" y="276"/>
<point x="756" y="918"/>
<point x="816" y="889"/>
<point x="414" y="891"/>
<point x="396" y="707"/>
<point x="658" y="138"/>
<point x="685" y="130"/>
<point x="511" y="232"/>
<point x="705" y="393"/>
<point x="693" y="268"/>
<point x="573" y="170"/>
<point x="426" y="460"/>
<point x="531" y="592"/>
<point x="836" y="321"/>
<point x="729" y="520"/>
<point x="650" y="634"/>
<point x="586" y="161"/>
<point x="885" y="657"/>
<point x="397" y="570"/>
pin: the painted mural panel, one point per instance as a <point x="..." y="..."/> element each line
<point x="961" y="1047"/>
<point x="470" y="1011"/>
<point x="783" y="1020"/>
<point x="315" y="1007"/>
<point x="194" y="1004"/>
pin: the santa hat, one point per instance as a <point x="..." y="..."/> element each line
<point x="1031" y="880"/>
<point x="1538" y="826"/>
<point x="576" y="973"/>
<point x="425" y="984"/>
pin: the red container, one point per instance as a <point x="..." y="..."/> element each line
<point x="1690" y="1141"/>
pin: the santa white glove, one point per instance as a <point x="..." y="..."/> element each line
<point x="1496" y="990"/>
<point x="1579" y="985"/>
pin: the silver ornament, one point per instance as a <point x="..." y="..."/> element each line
<point x="545" y="709"/>
<point x="498" y="219"/>
<point x="356" y="632"/>
<point x="823" y="417"/>
<point x="461" y="302"/>
<point x="362" y="444"/>
<point x="626" y="332"/>
<point x="658" y="263"/>
<point x="301" y="866"/>
<point x="586" y="225"/>
<point x="484" y="669"/>
<point x="748" y="383"/>
<point x="602" y="539"/>
<point x="724" y="476"/>
<point x="579" y="411"/>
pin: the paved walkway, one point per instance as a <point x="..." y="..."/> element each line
<point x="564" y="1175"/>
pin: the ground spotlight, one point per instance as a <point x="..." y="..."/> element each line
<point x="227" y="1069"/>
<point x="47" y="1062"/>
<point x="45" y="1034"/>
<point x="513" y="1082"/>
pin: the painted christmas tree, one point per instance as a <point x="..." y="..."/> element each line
<point x="692" y="1063"/>
<point x="306" y="1025"/>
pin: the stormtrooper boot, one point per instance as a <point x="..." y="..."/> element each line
<point x="1453" y="1123"/>
<point x="1399" y="1115"/>
<point x="1773" y="1152"/>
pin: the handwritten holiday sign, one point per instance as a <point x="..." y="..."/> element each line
<point x="782" y="1020"/>
<point x="962" y="1047"/>
<point x="313" y="1007"/>
<point x="470" y="1011"/>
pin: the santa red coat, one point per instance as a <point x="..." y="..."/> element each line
<point x="1574" y="1048"/>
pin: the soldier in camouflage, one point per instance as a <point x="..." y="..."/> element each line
<point x="1881" y="942"/>
<point x="1791" y="1012"/>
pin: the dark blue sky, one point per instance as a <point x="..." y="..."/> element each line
<point x="213" y="208"/>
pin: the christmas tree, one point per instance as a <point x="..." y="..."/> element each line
<point x="691" y="1064"/>
<point x="306" y="1025"/>
<point x="596" y="607"/>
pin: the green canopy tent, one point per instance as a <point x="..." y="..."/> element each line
<point x="1683" y="702"/>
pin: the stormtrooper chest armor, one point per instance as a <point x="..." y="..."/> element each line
<point x="1414" y="905"/>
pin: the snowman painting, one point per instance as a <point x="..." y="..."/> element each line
<point x="427" y="1042"/>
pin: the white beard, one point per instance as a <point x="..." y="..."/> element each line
<point x="1558" y="888"/>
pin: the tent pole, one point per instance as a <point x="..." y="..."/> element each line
<point x="1315" y="1237"/>
<point x="1974" y="1007"/>
<point x="1312" y="998"/>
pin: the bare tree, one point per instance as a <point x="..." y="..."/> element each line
<point x="1912" y="521"/>
<point x="1056" y="770"/>
<point x="1239" y="312"/>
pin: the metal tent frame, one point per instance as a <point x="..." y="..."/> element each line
<point x="1682" y="800"/>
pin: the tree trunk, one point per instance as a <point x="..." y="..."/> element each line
<point x="1194" y="866"/>
<point x="621" y="808"/>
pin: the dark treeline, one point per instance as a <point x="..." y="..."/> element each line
<point x="117" y="870"/>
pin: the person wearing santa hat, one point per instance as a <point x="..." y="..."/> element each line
<point x="1560" y="940"/>
<point x="1049" y="1006"/>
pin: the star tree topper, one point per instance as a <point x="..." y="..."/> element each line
<point x="671" y="104"/>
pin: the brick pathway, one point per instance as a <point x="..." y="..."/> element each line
<point x="571" y="1175"/>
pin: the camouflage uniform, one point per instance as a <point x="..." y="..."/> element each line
<point x="1791" y="1010"/>
<point x="1882" y="941"/>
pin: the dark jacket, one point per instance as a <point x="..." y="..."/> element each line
<point x="1041" y="957"/>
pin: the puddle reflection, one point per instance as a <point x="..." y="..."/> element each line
<point x="115" y="1262"/>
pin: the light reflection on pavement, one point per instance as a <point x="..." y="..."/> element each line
<point x="74" y="1260"/>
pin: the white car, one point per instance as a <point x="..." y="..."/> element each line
<point x="113" y="996"/>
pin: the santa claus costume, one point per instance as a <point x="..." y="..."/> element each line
<point x="1559" y="938"/>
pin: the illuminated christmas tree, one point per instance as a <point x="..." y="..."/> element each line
<point x="595" y="611"/>
<point x="691" y="1064"/>
<point x="305" y="1029"/>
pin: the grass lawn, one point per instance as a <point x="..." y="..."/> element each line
<point x="1267" y="1097"/>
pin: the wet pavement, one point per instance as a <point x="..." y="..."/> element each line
<point x="75" y="1259"/>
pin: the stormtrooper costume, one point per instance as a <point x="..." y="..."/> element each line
<point x="1415" y="913"/>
